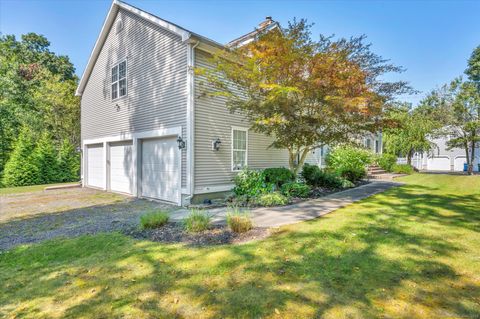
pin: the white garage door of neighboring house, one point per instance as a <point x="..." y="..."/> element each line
<point x="121" y="167"/>
<point x="458" y="163"/>
<point x="438" y="163"/>
<point x="161" y="169"/>
<point x="95" y="166"/>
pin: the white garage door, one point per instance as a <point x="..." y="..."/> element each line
<point x="438" y="163"/>
<point x="161" y="169"/>
<point x="95" y="166"/>
<point x="458" y="163"/>
<point x="121" y="168"/>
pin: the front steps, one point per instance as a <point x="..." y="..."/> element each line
<point x="377" y="173"/>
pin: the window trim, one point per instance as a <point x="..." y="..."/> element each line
<point x="117" y="64"/>
<point x="238" y="128"/>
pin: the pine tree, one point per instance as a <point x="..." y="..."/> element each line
<point x="68" y="163"/>
<point x="45" y="158"/>
<point x="21" y="169"/>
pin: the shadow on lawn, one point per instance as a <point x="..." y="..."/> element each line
<point x="376" y="266"/>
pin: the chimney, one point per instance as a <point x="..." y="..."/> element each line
<point x="267" y="22"/>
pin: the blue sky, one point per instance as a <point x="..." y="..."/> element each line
<point x="431" y="39"/>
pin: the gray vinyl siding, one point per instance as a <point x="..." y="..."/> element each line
<point x="213" y="120"/>
<point x="156" y="83"/>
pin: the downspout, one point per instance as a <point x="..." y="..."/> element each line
<point x="190" y="118"/>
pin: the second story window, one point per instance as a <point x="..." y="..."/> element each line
<point x="119" y="80"/>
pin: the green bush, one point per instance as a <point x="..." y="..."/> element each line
<point x="278" y="176"/>
<point x="347" y="184"/>
<point x="294" y="189"/>
<point x="154" y="219"/>
<point x="386" y="161"/>
<point x="402" y="169"/>
<point x="250" y="183"/>
<point x="239" y="221"/>
<point x="271" y="199"/>
<point x="45" y="157"/>
<point x="197" y="221"/>
<point x="349" y="162"/>
<point x="316" y="177"/>
<point x="21" y="168"/>
<point x="68" y="163"/>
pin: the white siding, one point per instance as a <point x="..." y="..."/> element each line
<point x="213" y="120"/>
<point x="156" y="77"/>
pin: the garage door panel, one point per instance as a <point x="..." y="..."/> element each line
<point x="438" y="164"/>
<point x="121" y="167"/>
<point x="95" y="166"/>
<point x="160" y="169"/>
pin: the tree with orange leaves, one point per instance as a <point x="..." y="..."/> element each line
<point x="305" y="93"/>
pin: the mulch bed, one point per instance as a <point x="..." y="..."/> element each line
<point x="216" y="235"/>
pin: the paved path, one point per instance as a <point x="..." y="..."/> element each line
<point x="278" y="216"/>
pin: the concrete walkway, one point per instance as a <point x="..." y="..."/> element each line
<point x="284" y="215"/>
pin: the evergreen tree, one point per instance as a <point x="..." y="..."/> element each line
<point x="68" y="163"/>
<point x="21" y="169"/>
<point x="45" y="158"/>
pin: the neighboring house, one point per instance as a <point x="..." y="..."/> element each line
<point x="147" y="129"/>
<point x="442" y="159"/>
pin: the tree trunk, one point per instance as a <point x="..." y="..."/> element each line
<point x="472" y="158"/>
<point x="295" y="167"/>
<point x="409" y="157"/>
<point x="468" y="155"/>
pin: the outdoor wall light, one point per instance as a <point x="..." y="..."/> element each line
<point x="181" y="143"/>
<point x="216" y="144"/>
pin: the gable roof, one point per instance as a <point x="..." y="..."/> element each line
<point x="185" y="35"/>
<point x="266" y="26"/>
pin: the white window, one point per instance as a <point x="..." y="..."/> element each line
<point x="239" y="148"/>
<point x="119" y="80"/>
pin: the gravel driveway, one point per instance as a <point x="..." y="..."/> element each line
<point x="36" y="216"/>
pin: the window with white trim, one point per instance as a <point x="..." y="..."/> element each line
<point x="239" y="148"/>
<point x="119" y="80"/>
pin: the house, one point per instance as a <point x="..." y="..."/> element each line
<point x="442" y="159"/>
<point x="146" y="128"/>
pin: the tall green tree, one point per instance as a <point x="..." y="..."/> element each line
<point x="304" y="92"/>
<point x="409" y="130"/>
<point x="21" y="168"/>
<point x="68" y="163"/>
<point x="45" y="158"/>
<point x="37" y="90"/>
<point x="459" y="104"/>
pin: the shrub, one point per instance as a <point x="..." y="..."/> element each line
<point x="154" y="219"/>
<point x="197" y="221"/>
<point x="347" y="184"/>
<point x="294" y="189"/>
<point x="250" y="183"/>
<point x="21" y="169"/>
<point x="45" y="157"/>
<point x="402" y="169"/>
<point x="68" y="163"/>
<point x="386" y="161"/>
<point x="238" y="221"/>
<point x="278" y="176"/>
<point x="316" y="177"/>
<point x="271" y="199"/>
<point x="349" y="162"/>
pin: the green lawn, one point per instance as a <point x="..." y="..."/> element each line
<point x="28" y="189"/>
<point x="411" y="252"/>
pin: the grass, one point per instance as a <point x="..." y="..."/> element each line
<point x="154" y="219"/>
<point x="197" y="221"/>
<point x="239" y="221"/>
<point x="411" y="252"/>
<point x="28" y="189"/>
